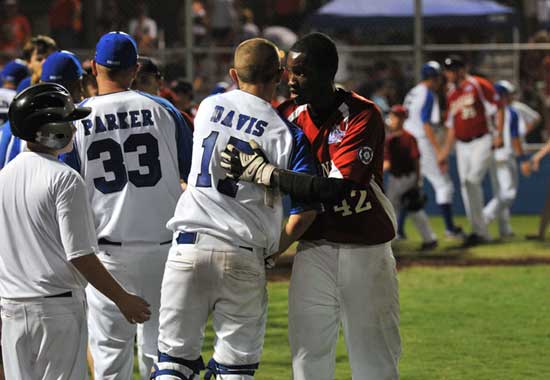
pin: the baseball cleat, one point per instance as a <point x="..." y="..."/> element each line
<point x="428" y="245"/>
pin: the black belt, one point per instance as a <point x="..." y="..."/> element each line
<point x="473" y="138"/>
<point x="104" y="241"/>
<point x="191" y="238"/>
<point x="62" y="295"/>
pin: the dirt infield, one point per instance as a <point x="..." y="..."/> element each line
<point x="284" y="267"/>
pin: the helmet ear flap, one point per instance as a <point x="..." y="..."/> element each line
<point x="55" y="135"/>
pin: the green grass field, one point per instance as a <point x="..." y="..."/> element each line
<point x="457" y="323"/>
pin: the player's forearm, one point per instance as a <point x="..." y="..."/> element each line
<point x="295" y="227"/>
<point x="431" y="136"/>
<point x="93" y="270"/>
<point x="310" y="188"/>
<point x="449" y="142"/>
<point x="542" y="152"/>
<point x="516" y="145"/>
<point x="500" y="120"/>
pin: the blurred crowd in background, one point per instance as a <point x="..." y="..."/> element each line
<point x="385" y="77"/>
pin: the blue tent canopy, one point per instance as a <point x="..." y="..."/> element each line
<point x="400" y="13"/>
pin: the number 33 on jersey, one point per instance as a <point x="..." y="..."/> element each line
<point x="132" y="150"/>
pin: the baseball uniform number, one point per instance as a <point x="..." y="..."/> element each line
<point x="227" y="186"/>
<point x="115" y="163"/>
<point x="361" y="206"/>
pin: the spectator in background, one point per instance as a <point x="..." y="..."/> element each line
<point x="15" y="29"/>
<point x="65" y="17"/>
<point x="248" y="29"/>
<point x="144" y="29"/>
<point x="288" y="12"/>
<point x="223" y="20"/>
<point x="148" y="77"/>
<point x="110" y="18"/>
<point x="199" y="22"/>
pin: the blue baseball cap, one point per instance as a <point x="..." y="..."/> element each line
<point x="430" y="69"/>
<point x="116" y="50"/>
<point x="14" y="71"/>
<point x="24" y="84"/>
<point x="61" y="66"/>
<point x="503" y="87"/>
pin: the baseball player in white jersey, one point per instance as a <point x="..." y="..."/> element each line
<point x="422" y="105"/>
<point x="132" y="151"/>
<point x="224" y="229"/>
<point x="60" y="67"/>
<point x="48" y="246"/>
<point x="504" y="169"/>
<point x="10" y="76"/>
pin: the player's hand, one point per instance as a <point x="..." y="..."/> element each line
<point x="271" y="261"/>
<point x="135" y="309"/>
<point x="498" y="142"/>
<point x="526" y="168"/>
<point x="248" y="167"/>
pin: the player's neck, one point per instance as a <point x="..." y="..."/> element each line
<point x="263" y="91"/>
<point x="323" y="105"/>
<point x="107" y="86"/>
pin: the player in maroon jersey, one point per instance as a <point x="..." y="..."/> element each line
<point x="344" y="270"/>
<point x="471" y="106"/>
<point x="402" y="160"/>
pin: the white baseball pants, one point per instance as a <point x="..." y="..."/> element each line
<point x="229" y="282"/>
<point x="45" y="338"/>
<point x="441" y="182"/>
<point x="139" y="269"/>
<point x="348" y="284"/>
<point x="504" y="182"/>
<point x="473" y="160"/>
<point x="396" y="187"/>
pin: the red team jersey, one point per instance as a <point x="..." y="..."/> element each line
<point x="469" y="107"/>
<point x="349" y="145"/>
<point x="402" y="152"/>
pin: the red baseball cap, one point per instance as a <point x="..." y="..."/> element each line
<point x="399" y="110"/>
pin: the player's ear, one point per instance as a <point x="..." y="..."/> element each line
<point x="233" y="74"/>
<point x="94" y="68"/>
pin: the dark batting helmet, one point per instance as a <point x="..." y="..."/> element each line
<point x="453" y="62"/>
<point x="43" y="114"/>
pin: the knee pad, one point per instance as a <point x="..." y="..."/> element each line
<point x="172" y="368"/>
<point x="214" y="368"/>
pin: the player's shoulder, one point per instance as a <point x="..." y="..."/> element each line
<point x="484" y="82"/>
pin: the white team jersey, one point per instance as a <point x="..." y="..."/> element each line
<point x="132" y="150"/>
<point x="513" y="127"/>
<point x="46" y="220"/>
<point x="526" y="113"/>
<point x="221" y="207"/>
<point x="6" y="96"/>
<point x="423" y="107"/>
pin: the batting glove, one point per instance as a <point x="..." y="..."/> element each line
<point x="253" y="167"/>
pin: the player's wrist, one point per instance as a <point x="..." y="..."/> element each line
<point x="264" y="174"/>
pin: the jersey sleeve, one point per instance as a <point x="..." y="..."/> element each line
<point x="415" y="152"/>
<point x="4" y="144"/>
<point x="514" y="124"/>
<point x="301" y="161"/>
<point x="74" y="214"/>
<point x="427" y="108"/>
<point x="363" y="141"/>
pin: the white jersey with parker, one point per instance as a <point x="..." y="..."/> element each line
<point x="132" y="151"/>
<point x="230" y="210"/>
<point x="423" y="107"/>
